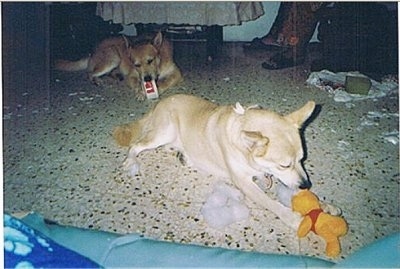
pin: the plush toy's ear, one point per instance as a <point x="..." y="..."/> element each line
<point x="255" y="142"/>
<point x="304" y="227"/>
<point x="300" y="116"/>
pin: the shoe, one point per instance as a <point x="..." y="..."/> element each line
<point x="282" y="63"/>
<point x="257" y="44"/>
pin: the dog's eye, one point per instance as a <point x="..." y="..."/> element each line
<point x="138" y="65"/>
<point x="150" y="61"/>
<point x="285" y="166"/>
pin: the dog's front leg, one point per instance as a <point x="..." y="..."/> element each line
<point x="254" y="193"/>
<point x="285" y="195"/>
<point x="170" y="80"/>
<point x="131" y="163"/>
<point x="134" y="83"/>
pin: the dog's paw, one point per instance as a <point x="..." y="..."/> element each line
<point x="289" y="217"/>
<point x="140" y="97"/>
<point x="131" y="166"/>
<point x="181" y="158"/>
<point x="331" y="209"/>
<point x="95" y="80"/>
<point x="134" y="170"/>
<point x="292" y="220"/>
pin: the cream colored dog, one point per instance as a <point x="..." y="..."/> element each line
<point x="227" y="141"/>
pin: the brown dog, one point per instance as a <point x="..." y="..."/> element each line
<point x="137" y="63"/>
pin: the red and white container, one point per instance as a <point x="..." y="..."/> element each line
<point x="150" y="88"/>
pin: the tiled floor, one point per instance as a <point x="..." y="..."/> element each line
<point x="60" y="159"/>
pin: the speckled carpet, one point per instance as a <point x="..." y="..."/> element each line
<point x="60" y="159"/>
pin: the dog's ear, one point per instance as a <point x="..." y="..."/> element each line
<point x="157" y="41"/>
<point x="300" y="116"/>
<point x="127" y="45"/>
<point x="255" y="142"/>
<point x="239" y="109"/>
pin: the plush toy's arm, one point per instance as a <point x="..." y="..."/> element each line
<point x="304" y="227"/>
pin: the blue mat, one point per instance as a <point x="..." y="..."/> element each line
<point x="48" y="245"/>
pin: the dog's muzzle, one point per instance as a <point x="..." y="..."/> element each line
<point x="148" y="78"/>
<point x="305" y="184"/>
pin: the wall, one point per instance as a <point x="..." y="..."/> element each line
<point x="25" y="46"/>
<point x="251" y="29"/>
<point x="258" y="28"/>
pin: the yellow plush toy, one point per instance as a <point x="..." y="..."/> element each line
<point x="329" y="227"/>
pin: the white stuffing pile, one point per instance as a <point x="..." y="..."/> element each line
<point x="224" y="206"/>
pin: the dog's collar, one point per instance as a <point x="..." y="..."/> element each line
<point x="314" y="214"/>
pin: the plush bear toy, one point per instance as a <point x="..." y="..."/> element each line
<point x="329" y="227"/>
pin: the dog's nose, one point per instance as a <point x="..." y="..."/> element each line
<point x="305" y="184"/>
<point x="147" y="78"/>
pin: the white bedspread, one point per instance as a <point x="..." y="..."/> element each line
<point x="188" y="13"/>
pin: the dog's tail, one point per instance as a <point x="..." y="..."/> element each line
<point x="65" y="65"/>
<point x="125" y="134"/>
